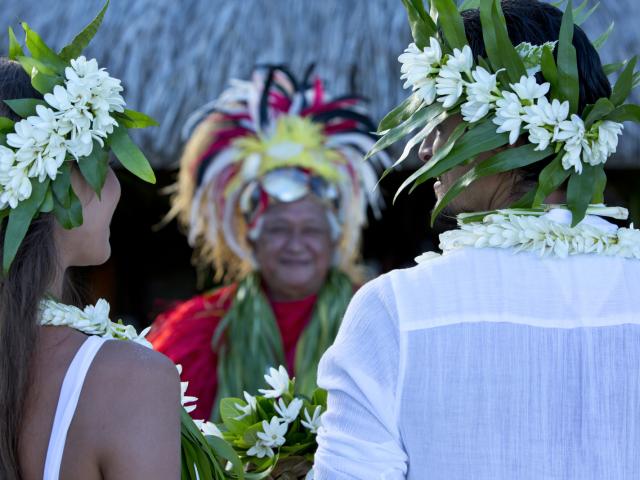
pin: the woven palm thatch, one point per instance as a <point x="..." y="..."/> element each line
<point x="175" y="55"/>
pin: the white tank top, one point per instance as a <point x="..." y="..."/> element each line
<point x="67" y="403"/>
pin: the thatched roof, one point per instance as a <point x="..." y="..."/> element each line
<point x="175" y="55"/>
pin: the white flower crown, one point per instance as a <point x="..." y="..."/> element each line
<point x="451" y="79"/>
<point x="81" y="118"/>
<point x="499" y="99"/>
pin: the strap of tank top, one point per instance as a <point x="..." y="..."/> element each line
<point x="67" y="403"/>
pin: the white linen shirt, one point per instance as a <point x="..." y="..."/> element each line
<point x="485" y="364"/>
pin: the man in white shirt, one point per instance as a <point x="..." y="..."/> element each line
<point x="515" y="354"/>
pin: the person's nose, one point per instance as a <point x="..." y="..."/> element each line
<point x="426" y="149"/>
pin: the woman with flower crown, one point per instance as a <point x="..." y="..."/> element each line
<point x="273" y="193"/>
<point x="72" y="404"/>
<point x="514" y="354"/>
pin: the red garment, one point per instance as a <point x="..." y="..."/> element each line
<point x="184" y="334"/>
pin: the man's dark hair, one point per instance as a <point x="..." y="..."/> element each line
<point x="14" y="83"/>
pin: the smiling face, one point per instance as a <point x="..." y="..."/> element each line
<point x="487" y="193"/>
<point x="295" y="249"/>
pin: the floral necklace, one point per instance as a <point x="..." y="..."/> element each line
<point x="93" y="320"/>
<point x="546" y="231"/>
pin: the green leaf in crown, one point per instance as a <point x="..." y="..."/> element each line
<point x="79" y="120"/>
<point x="501" y="101"/>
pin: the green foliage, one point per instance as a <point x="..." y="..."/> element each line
<point x="41" y="52"/>
<point x="580" y="191"/>
<point x="551" y="178"/>
<point x="422" y="25"/>
<point x="602" y="108"/>
<point x="599" y="185"/>
<point x="500" y="50"/>
<point x="24" y="107"/>
<point x="602" y="39"/>
<point x="6" y="125"/>
<point x="130" y="156"/>
<point x="506" y="160"/>
<point x="44" y="83"/>
<point x="568" y="84"/>
<point x="15" y="49"/>
<point x="623" y="86"/>
<point x="469" y="5"/>
<point x="241" y="430"/>
<point x="94" y="167"/>
<point x="68" y="216"/>
<point x="208" y="454"/>
<point x="322" y="330"/>
<point x="420" y="117"/>
<point x="133" y="119"/>
<point x="401" y="113"/>
<point x="250" y="326"/>
<point x="19" y="221"/>
<point x="62" y="185"/>
<point x="450" y="22"/>
<point x="580" y="13"/>
<point x="479" y="139"/>
<point x="80" y="42"/>
<point x="550" y="71"/>
<point x="432" y="123"/>
<point x="625" y="113"/>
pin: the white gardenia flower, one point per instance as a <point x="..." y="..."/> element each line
<point x="260" y="450"/>
<point x="572" y="156"/>
<point x="279" y="382"/>
<point x="528" y="88"/>
<point x="59" y="99"/>
<point x="27" y="139"/>
<point x="481" y="95"/>
<point x="540" y="136"/>
<point x="449" y="86"/>
<point x="208" y="428"/>
<point x="290" y="412"/>
<point x="461" y="60"/>
<point x="313" y="423"/>
<point x="419" y="68"/>
<point x="449" y="83"/>
<point x="608" y="133"/>
<point x="509" y="116"/>
<point x="249" y="408"/>
<point x="273" y="432"/>
<point x="544" y="113"/>
<point x="17" y="188"/>
<point x="98" y="314"/>
<point x="187" y="401"/>
<point x="81" y="145"/>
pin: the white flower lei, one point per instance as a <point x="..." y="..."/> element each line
<point x="450" y="80"/>
<point x="94" y="320"/>
<point x="545" y="233"/>
<point x="75" y="115"/>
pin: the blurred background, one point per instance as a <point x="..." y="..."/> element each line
<point x="174" y="56"/>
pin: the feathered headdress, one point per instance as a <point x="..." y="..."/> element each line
<point x="274" y="139"/>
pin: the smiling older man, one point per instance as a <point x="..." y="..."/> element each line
<point x="273" y="190"/>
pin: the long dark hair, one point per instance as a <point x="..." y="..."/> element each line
<point x="31" y="275"/>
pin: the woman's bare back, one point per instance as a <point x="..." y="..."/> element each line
<point x="126" y="424"/>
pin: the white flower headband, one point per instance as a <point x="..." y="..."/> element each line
<point x="499" y="99"/>
<point x="81" y="118"/>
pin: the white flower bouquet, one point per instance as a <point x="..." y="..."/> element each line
<point x="274" y="433"/>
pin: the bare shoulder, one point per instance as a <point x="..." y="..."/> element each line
<point x="129" y="363"/>
<point x="133" y="399"/>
